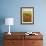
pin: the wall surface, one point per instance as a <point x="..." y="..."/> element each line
<point x="11" y="8"/>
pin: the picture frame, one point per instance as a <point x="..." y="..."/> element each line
<point x="27" y="15"/>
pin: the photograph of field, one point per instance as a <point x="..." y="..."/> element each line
<point x="27" y="16"/>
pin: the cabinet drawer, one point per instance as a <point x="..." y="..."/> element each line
<point x="37" y="43"/>
<point x="16" y="37"/>
<point x="36" y="37"/>
<point x="13" y="43"/>
<point x="33" y="43"/>
<point x="9" y="42"/>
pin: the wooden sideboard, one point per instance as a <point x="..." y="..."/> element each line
<point x="20" y="39"/>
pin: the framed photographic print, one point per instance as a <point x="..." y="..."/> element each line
<point x="27" y="15"/>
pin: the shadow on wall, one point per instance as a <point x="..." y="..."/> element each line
<point x="2" y="21"/>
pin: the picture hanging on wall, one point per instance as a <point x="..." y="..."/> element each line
<point x="27" y="15"/>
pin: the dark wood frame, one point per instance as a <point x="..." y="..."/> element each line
<point x="31" y="8"/>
